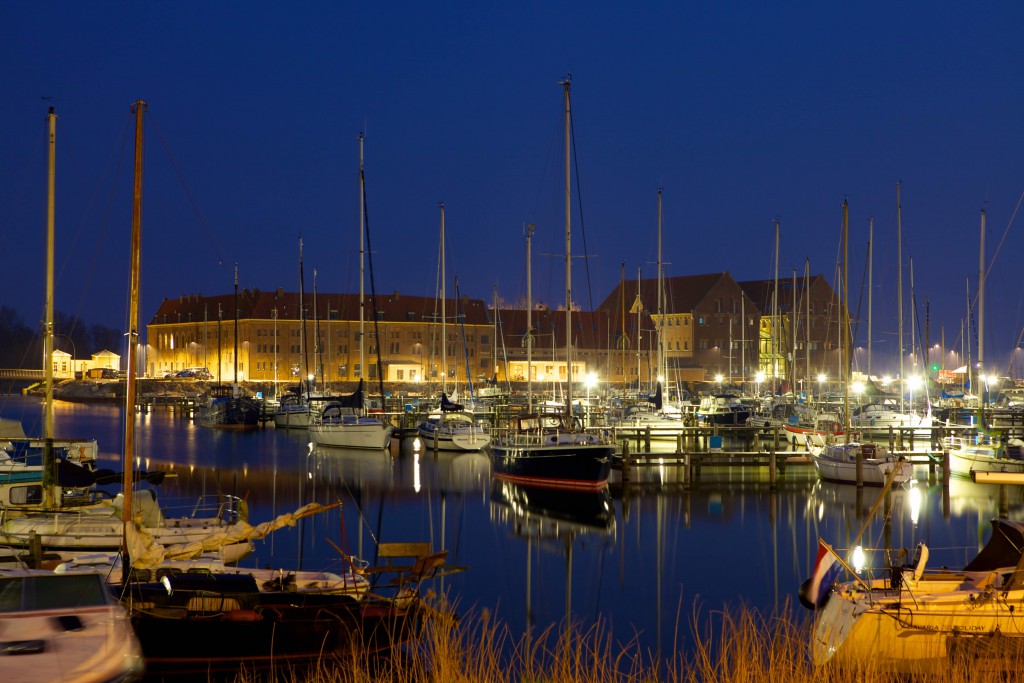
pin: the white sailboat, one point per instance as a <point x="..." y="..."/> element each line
<point x="853" y="462"/>
<point x="345" y="423"/>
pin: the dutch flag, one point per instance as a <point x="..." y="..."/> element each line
<point x="814" y="591"/>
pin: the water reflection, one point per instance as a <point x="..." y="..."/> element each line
<point x="551" y="520"/>
<point x="640" y="555"/>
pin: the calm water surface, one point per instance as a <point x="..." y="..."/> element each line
<point x="640" y="559"/>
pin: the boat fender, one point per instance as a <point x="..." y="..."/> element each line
<point x="807" y="602"/>
<point x="243" y="615"/>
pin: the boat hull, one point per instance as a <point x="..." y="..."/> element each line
<point x="213" y="627"/>
<point x="839" y="464"/>
<point x="909" y="636"/>
<point x="963" y="461"/>
<point x="368" y="435"/>
<point x="581" y="466"/>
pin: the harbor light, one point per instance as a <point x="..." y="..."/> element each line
<point x="914" y="381"/>
<point x="886" y="380"/>
<point x="857" y="388"/>
<point x="858" y="559"/>
<point x="822" y="378"/>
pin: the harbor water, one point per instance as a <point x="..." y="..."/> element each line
<point x="639" y="559"/>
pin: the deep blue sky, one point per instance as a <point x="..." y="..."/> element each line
<point x="741" y="111"/>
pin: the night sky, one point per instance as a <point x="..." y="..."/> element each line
<point x="742" y="112"/>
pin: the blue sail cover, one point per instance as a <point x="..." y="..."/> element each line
<point x="447" y="406"/>
<point x="355" y="399"/>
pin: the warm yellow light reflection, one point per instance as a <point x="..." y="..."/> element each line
<point x="416" y="472"/>
<point x="915" y="502"/>
<point x="417" y="444"/>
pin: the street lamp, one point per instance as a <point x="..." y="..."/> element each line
<point x="758" y="378"/>
<point x="719" y="378"/>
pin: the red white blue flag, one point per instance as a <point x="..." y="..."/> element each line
<point x="826" y="570"/>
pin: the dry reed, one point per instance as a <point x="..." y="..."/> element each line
<point x="730" y="646"/>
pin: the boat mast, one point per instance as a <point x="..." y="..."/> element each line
<point x="49" y="460"/>
<point x="662" y="375"/>
<point x="743" y="340"/>
<point x="568" y="257"/>
<point x="362" y="259"/>
<point x="303" y="383"/>
<point x="775" y="314"/>
<point x="529" y="323"/>
<point x="982" y="384"/>
<point x="494" y="346"/>
<point x="318" y="352"/>
<point x="871" y="266"/>
<point x="444" y="318"/>
<point x="236" y="328"/>
<point x="133" y="333"/>
<point x="981" y="301"/>
<point x="846" y="327"/>
<point x="622" y="321"/>
<point x="792" y="338"/>
<point x="807" y="327"/>
<point x="899" y="284"/>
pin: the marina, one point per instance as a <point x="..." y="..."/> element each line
<point x="657" y="558"/>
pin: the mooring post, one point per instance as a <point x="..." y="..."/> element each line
<point x="945" y="468"/>
<point x="626" y="460"/>
<point x="772" y="466"/>
<point x="647" y="439"/>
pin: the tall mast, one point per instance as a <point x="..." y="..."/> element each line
<point x="317" y="351"/>
<point x="302" y="325"/>
<point x="661" y="309"/>
<point x="871" y="266"/>
<point x="792" y="338"/>
<point x="133" y="328"/>
<point x="899" y="284"/>
<point x="981" y="308"/>
<point x="444" y="317"/>
<point x="529" y="323"/>
<point x="362" y="260"/>
<point x="49" y="460"/>
<point x="743" y="339"/>
<point x="775" y="314"/>
<point x="622" y="340"/>
<point x="807" y="327"/>
<point x="846" y="327"/>
<point x="236" y="326"/>
<point x="568" y="257"/>
<point x="494" y="346"/>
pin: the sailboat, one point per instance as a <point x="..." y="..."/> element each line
<point x="227" y="406"/>
<point x="345" y="422"/>
<point x="34" y="471"/>
<point x="981" y="452"/>
<point x="101" y="526"/>
<point x="550" y="449"/>
<point x="915" y="620"/>
<point x="853" y="462"/>
<point x="450" y="427"/>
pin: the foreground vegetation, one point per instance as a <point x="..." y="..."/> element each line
<point x="720" y="647"/>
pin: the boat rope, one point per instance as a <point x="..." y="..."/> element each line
<point x="188" y="192"/>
